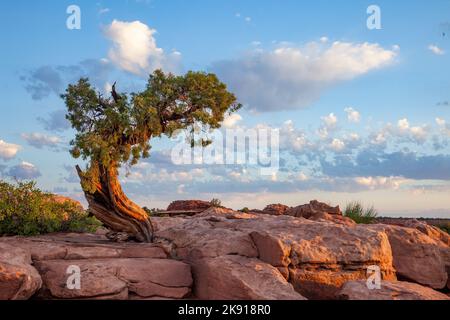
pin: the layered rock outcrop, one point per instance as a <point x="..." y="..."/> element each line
<point x="107" y="270"/>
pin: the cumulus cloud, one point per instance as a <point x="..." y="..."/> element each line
<point x="436" y="50"/>
<point x="40" y="140"/>
<point x="330" y="121"/>
<point x="135" y="50"/>
<point x="25" y="171"/>
<point x="293" y="77"/>
<point x="231" y="121"/>
<point x="418" y="134"/>
<point x="353" y="115"/>
<point x="444" y="126"/>
<point x="337" y="145"/>
<point x="8" y="150"/>
<point x="374" y="183"/>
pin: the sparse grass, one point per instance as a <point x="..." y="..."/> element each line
<point x="25" y="210"/>
<point x="359" y="214"/>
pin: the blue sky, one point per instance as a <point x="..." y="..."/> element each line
<point x="363" y="114"/>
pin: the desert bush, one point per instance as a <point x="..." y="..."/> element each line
<point x="216" y="203"/>
<point x="245" y="210"/>
<point x="359" y="214"/>
<point x="155" y="212"/>
<point x="444" y="227"/>
<point x="25" y="210"/>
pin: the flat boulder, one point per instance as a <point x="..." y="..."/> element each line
<point x="240" y="278"/>
<point x="19" y="280"/>
<point x="390" y="290"/>
<point x="115" y="278"/>
<point x="82" y="246"/>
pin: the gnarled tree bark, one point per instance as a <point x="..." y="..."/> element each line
<point x="110" y="205"/>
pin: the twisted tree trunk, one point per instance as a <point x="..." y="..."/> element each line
<point x="110" y="205"/>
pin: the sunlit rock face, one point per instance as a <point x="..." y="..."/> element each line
<point x="220" y="253"/>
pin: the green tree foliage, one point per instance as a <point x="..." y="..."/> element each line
<point x="26" y="210"/>
<point x="357" y="212"/>
<point x="116" y="131"/>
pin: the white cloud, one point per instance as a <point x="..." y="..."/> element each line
<point x="436" y="50"/>
<point x="380" y="182"/>
<point x="40" y="140"/>
<point x="302" y="177"/>
<point x="330" y="121"/>
<point x="8" y="150"/>
<point x="135" y="49"/>
<point x="440" y="122"/>
<point x="293" y="77"/>
<point x="444" y="126"/>
<point x="291" y="138"/>
<point x="403" y="124"/>
<point x="24" y="170"/>
<point x="337" y="145"/>
<point x="378" y="138"/>
<point x="353" y="115"/>
<point x="231" y="121"/>
<point x="418" y="134"/>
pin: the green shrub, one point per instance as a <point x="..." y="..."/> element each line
<point x="25" y="210"/>
<point x="216" y="203"/>
<point x="356" y="212"/>
<point x="245" y="210"/>
<point x="445" y="227"/>
<point x="155" y="212"/>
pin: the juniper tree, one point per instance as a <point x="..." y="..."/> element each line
<point x="116" y="131"/>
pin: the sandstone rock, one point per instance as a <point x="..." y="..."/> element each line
<point x="317" y="257"/>
<point x="276" y="209"/>
<point x="189" y="205"/>
<point x="66" y="246"/>
<point x="396" y="290"/>
<point x="417" y="257"/>
<point x="323" y="216"/>
<point x="313" y="208"/>
<point x="115" y="278"/>
<point x="62" y="199"/>
<point x="18" y="279"/>
<point x="198" y="238"/>
<point x="431" y="231"/>
<point x="239" y="278"/>
<point x="321" y="257"/>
